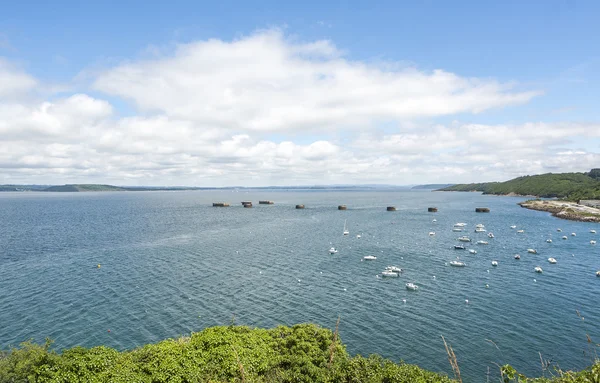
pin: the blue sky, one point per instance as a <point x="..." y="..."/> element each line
<point x="549" y="47"/>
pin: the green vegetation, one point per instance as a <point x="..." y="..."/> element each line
<point x="569" y="186"/>
<point x="302" y="353"/>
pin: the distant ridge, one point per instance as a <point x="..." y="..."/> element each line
<point x="431" y="186"/>
<point x="83" y="188"/>
<point x="569" y="186"/>
<point x="74" y="188"/>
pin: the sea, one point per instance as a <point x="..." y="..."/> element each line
<point x="124" y="269"/>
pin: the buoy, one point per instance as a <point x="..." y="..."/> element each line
<point x="487" y="286"/>
<point x="467" y="301"/>
<point x="108" y="330"/>
<point x="98" y="265"/>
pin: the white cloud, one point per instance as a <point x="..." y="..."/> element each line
<point x="267" y="110"/>
<point x="13" y="82"/>
<point x="266" y="82"/>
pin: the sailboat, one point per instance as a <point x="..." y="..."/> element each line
<point x="346" y="232"/>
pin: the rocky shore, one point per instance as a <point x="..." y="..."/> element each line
<point x="565" y="210"/>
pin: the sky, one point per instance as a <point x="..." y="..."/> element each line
<point x="261" y="93"/>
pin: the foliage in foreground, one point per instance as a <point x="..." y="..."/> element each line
<point x="302" y="353"/>
<point x="570" y="186"/>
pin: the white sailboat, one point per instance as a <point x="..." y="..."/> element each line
<point x="346" y="232"/>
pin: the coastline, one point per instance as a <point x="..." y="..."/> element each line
<point x="564" y="209"/>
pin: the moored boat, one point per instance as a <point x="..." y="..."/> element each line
<point x="369" y="258"/>
<point x="457" y="264"/>
<point x="393" y="269"/>
<point x="389" y="274"/>
<point x="411" y="286"/>
<point x="552" y="260"/>
<point x="538" y="269"/>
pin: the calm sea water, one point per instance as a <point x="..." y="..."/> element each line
<point x="172" y="264"/>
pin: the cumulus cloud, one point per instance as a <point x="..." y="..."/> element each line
<point x="269" y="110"/>
<point x="265" y="82"/>
<point x="14" y="82"/>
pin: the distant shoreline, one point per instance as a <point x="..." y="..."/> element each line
<point x="563" y="209"/>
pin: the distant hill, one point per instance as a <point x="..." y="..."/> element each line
<point x="431" y="186"/>
<point x="569" y="186"/>
<point x="107" y="188"/>
<point x="83" y="188"/>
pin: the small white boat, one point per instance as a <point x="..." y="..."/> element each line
<point x="564" y="237"/>
<point x="494" y="263"/>
<point x="434" y="220"/>
<point x="411" y="286"/>
<point x="559" y="230"/>
<point x="464" y="239"/>
<point x="592" y="242"/>
<point x="393" y="269"/>
<point x="457" y="229"/>
<point x="538" y="269"/>
<point x="520" y="231"/>
<point x="358" y="235"/>
<point x="480" y="230"/>
<point x="593" y="231"/>
<point x="431" y="233"/>
<point x="482" y="242"/>
<point x="573" y="234"/>
<point x="346" y="232"/>
<point x="389" y="274"/>
<point x="549" y="240"/>
<point x="480" y="226"/>
<point x="333" y="250"/>
<point x="491" y="235"/>
<point x="517" y="256"/>
<point x="460" y="224"/>
<point x="457" y="264"/>
<point x="552" y="260"/>
<point x="532" y="251"/>
<point x="472" y="251"/>
<point x="513" y="227"/>
<point x="369" y="258"/>
<point x="459" y="247"/>
<point x="598" y="273"/>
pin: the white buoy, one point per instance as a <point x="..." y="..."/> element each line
<point x="467" y="301"/>
<point x="404" y="300"/>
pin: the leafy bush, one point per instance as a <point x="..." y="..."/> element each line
<point x="302" y="353"/>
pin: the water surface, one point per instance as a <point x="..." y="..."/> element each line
<point x="172" y="264"/>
